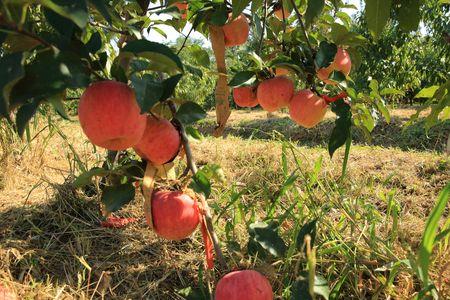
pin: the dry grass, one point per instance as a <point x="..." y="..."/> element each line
<point x="51" y="245"/>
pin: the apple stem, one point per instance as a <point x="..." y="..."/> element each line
<point x="193" y="167"/>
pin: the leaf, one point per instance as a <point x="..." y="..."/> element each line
<point x="427" y="92"/>
<point x="383" y="109"/>
<point x="85" y="178"/>
<point x="115" y="197"/>
<point x="429" y="234"/>
<point x="190" y="112"/>
<point x="300" y="289"/>
<point x="24" y="115"/>
<point x="343" y="123"/>
<point x="11" y="70"/>
<point x="200" y="55"/>
<point x="266" y="235"/>
<point x="148" y="91"/>
<point x="313" y="10"/>
<point x="307" y="229"/>
<point x="219" y="16"/>
<point x="57" y="103"/>
<point x="325" y="54"/>
<point x="95" y="43"/>
<point x="200" y="183"/>
<point x="73" y="10"/>
<point x="64" y="26"/>
<point x="391" y="91"/>
<point x="103" y="9"/>
<point x="169" y="86"/>
<point x="243" y="78"/>
<point x="194" y="133"/>
<point x="409" y="15"/>
<point x="239" y="6"/>
<point x="377" y="14"/>
<point x="49" y="74"/>
<point x="161" y="57"/>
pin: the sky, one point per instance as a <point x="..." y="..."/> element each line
<point x="172" y="34"/>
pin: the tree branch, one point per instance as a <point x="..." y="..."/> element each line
<point x="302" y="25"/>
<point x="193" y="167"/>
<point x="263" y="28"/>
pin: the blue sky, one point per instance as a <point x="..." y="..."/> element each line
<point x="172" y="34"/>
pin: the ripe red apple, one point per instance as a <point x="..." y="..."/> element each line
<point x="245" y="96"/>
<point x="279" y="13"/>
<point x="110" y="116"/>
<point x="275" y="93"/>
<point x="236" y="31"/>
<point x="175" y="215"/>
<point x="307" y="109"/>
<point x="341" y="63"/>
<point x="182" y="7"/>
<point x="247" y="284"/>
<point x="160" y="142"/>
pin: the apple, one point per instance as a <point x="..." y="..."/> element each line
<point x="246" y="284"/>
<point x="160" y="143"/>
<point x="236" y="31"/>
<point x="341" y="63"/>
<point x="275" y="93"/>
<point x="175" y="215"/>
<point x="245" y="96"/>
<point x="307" y="109"/>
<point x="182" y="7"/>
<point x="110" y="115"/>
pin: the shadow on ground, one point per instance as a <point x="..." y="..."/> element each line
<point x="393" y="134"/>
<point x="63" y="240"/>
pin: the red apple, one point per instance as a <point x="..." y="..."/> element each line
<point x="307" y="109"/>
<point x="240" y="285"/>
<point x="341" y="63"/>
<point x="175" y="215"/>
<point x="245" y="96"/>
<point x="275" y="93"/>
<point x="236" y="31"/>
<point x="110" y="116"/>
<point x="160" y="142"/>
<point x="182" y="7"/>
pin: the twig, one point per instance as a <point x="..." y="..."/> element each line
<point x="263" y="28"/>
<point x="283" y="46"/>
<point x="109" y="28"/>
<point x="185" y="40"/>
<point x="302" y="25"/>
<point x="193" y="167"/>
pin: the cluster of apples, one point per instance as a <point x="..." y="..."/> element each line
<point x="111" y="118"/>
<point x="305" y="107"/>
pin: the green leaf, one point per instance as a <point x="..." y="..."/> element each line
<point x="220" y="15"/>
<point x="194" y="133"/>
<point x="325" y="54"/>
<point x="57" y="103"/>
<point x="391" y="91"/>
<point x="11" y="70"/>
<point x="409" y="15"/>
<point x="377" y="14"/>
<point x="85" y="178"/>
<point x="161" y="57"/>
<point x="148" y="91"/>
<point x="313" y="10"/>
<point x="300" y="289"/>
<point x="430" y="232"/>
<point x="239" y="6"/>
<point x="307" y="229"/>
<point x="343" y="123"/>
<point x="201" y="184"/>
<point x="115" y="197"/>
<point x="95" y="43"/>
<point x="72" y="10"/>
<point x="266" y="235"/>
<point x="243" y="78"/>
<point x="64" y="26"/>
<point x="103" y="9"/>
<point x="49" y="74"/>
<point x="200" y="55"/>
<point x="427" y="92"/>
<point x="24" y="115"/>
<point x="383" y="109"/>
<point x="190" y="112"/>
<point x="338" y="76"/>
<point x="169" y="86"/>
<point x="118" y="73"/>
